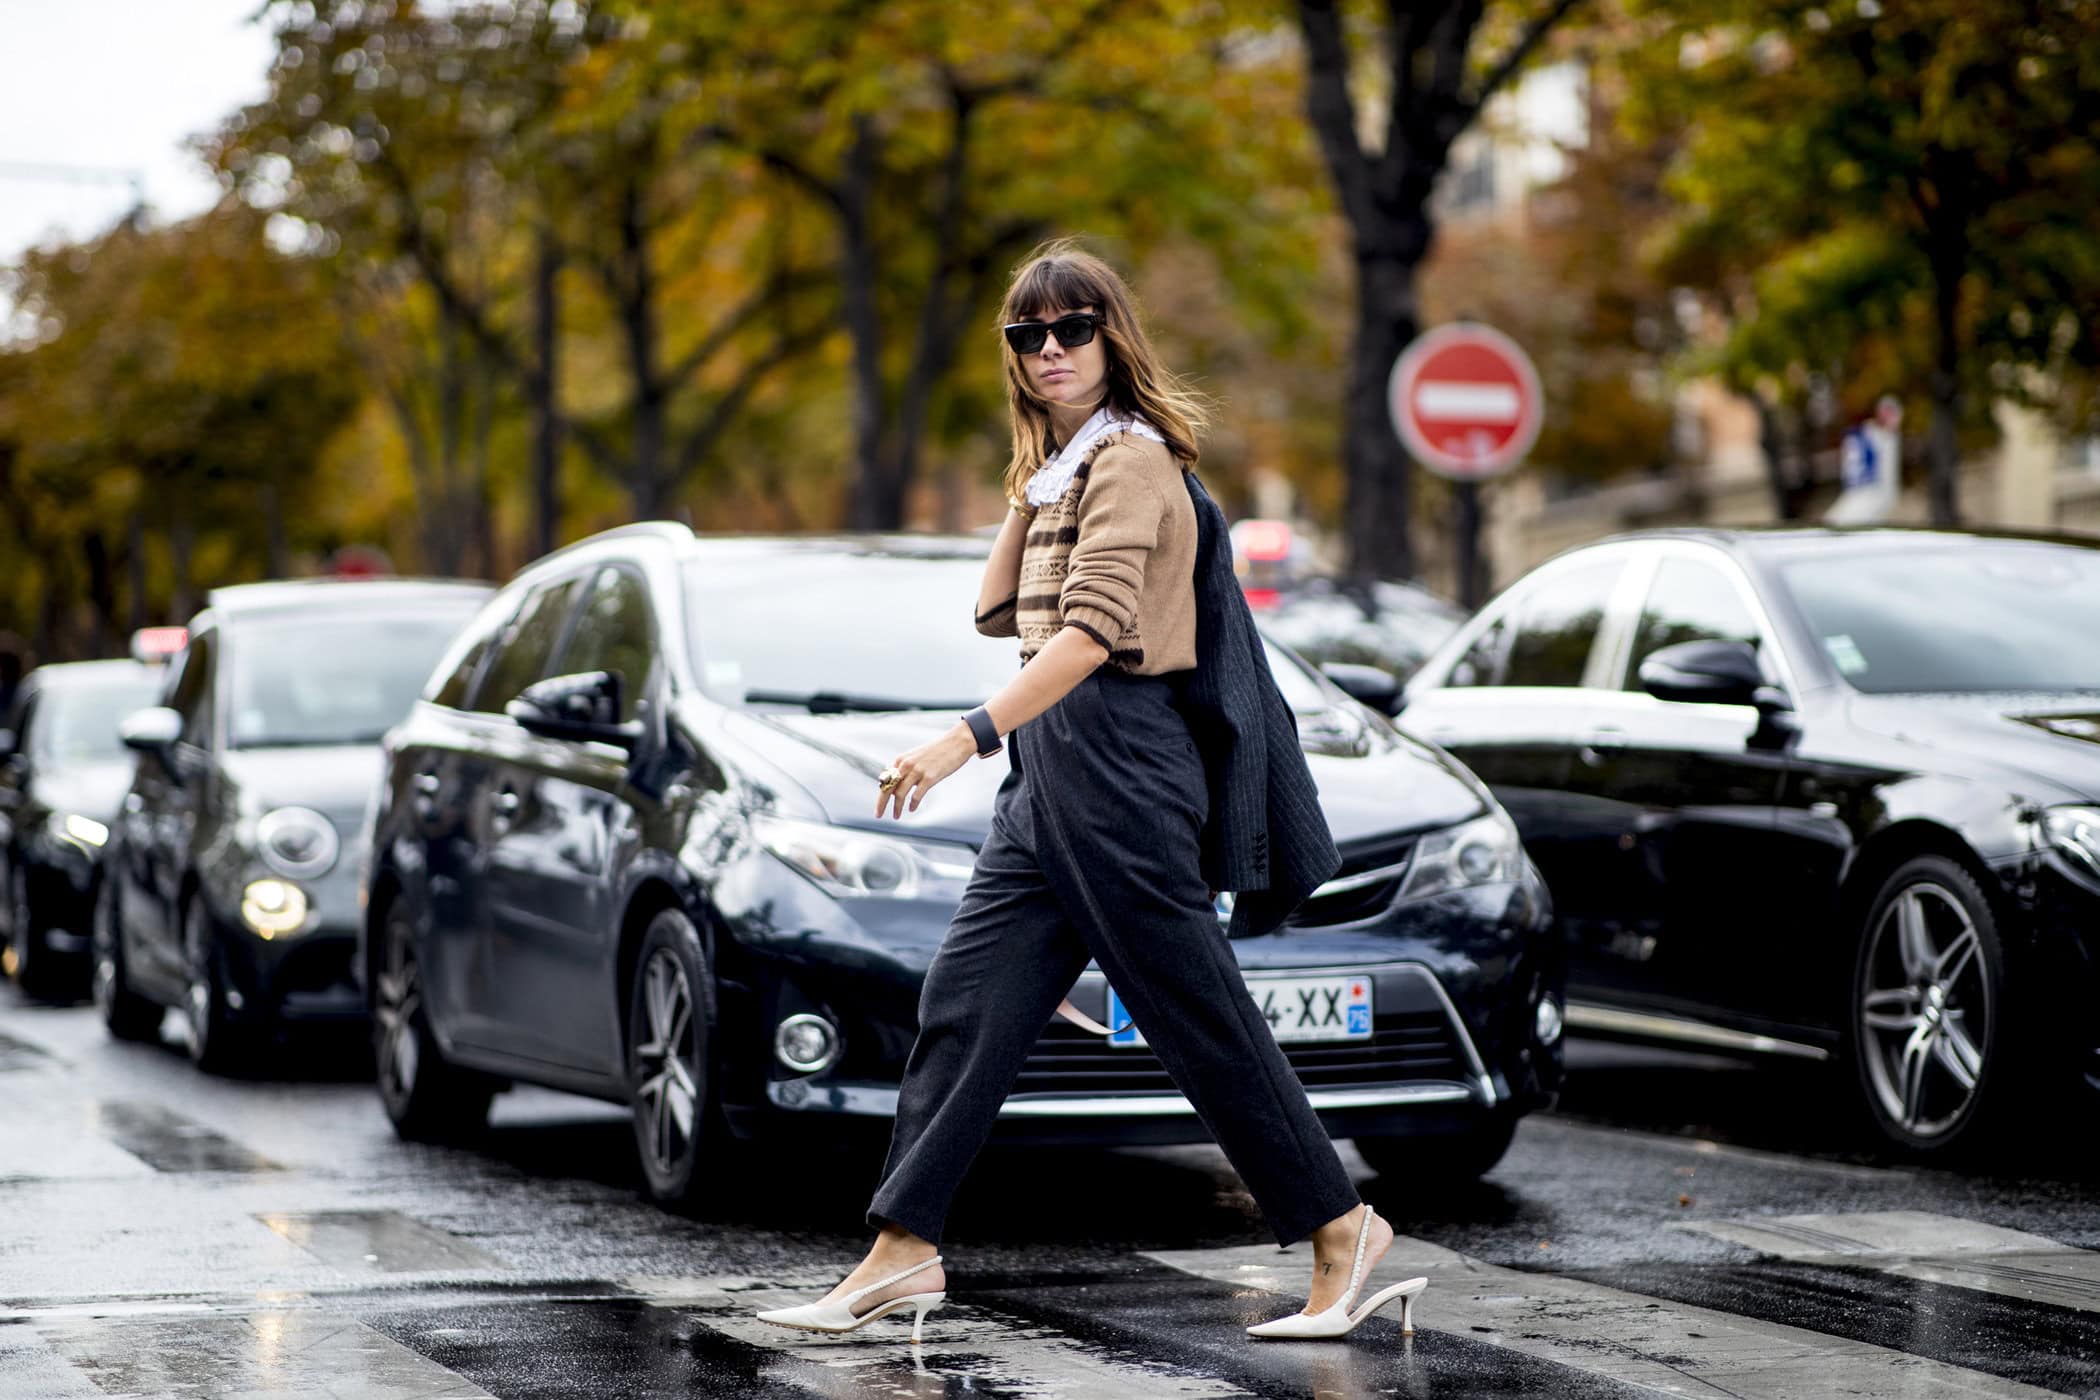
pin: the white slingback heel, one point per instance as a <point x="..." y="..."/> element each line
<point x="838" y="1315"/>
<point x="1340" y="1319"/>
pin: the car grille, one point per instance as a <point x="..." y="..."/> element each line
<point x="1343" y="906"/>
<point x="319" y="965"/>
<point x="1409" y="1045"/>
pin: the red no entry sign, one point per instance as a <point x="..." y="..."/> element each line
<point x="1465" y="399"/>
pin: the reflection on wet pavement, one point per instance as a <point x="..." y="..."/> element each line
<point x="168" y="1142"/>
<point x="268" y="1353"/>
<point x="381" y="1240"/>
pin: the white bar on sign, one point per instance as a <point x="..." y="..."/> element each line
<point x="1468" y="403"/>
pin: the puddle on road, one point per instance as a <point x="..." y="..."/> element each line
<point x="168" y="1142"/>
<point x="268" y="1353"/>
<point x="381" y="1240"/>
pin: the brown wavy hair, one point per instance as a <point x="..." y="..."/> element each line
<point x="1064" y="275"/>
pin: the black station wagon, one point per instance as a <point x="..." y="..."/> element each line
<point x="626" y="847"/>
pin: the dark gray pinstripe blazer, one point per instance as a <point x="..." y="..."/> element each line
<point x="1266" y="838"/>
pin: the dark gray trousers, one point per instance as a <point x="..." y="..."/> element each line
<point x="1093" y="852"/>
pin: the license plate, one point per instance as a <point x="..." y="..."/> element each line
<point x="1296" y="1008"/>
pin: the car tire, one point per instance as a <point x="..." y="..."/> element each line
<point x="32" y="960"/>
<point x="1927" y="1022"/>
<point x="670" y="1026"/>
<point x="427" y="1097"/>
<point x="1444" y="1159"/>
<point x="217" y="1038"/>
<point x="126" y="1014"/>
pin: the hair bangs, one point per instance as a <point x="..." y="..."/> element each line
<point x="1053" y="282"/>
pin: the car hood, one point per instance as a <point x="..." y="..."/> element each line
<point x="1372" y="780"/>
<point x="2054" y="739"/>
<point x="335" y="780"/>
<point x="89" y="789"/>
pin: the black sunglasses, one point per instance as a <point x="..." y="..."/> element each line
<point x="1073" y="331"/>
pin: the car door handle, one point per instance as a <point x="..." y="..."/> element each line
<point x="1601" y="740"/>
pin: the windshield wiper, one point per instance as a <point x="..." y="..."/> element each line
<point x="837" y="702"/>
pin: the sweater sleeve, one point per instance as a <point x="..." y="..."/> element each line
<point x="1001" y="621"/>
<point x="1120" y="512"/>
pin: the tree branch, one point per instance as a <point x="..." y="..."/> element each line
<point x="1510" y="62"/>
<point x="1330" y="108"/>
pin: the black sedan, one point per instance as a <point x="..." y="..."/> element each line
<point x="1810" y="793"/>
<point x="626" y="847"/>
<point x="232" y="887"/>
<point x="62" y="773"/>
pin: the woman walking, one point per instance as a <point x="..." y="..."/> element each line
<point x="1095" y="848"/>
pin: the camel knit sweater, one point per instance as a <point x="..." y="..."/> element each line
<point x="1114" y="556"/>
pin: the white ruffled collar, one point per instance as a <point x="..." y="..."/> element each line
<point x="1053" y="477"/>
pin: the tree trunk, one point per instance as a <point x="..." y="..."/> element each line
<point x="648" y="483"/>
<point x="276" y="555"/>
<point x="135" y="569"/>
<point x="875" y="503"/>
<point x="1771" y="441"/>
<point x="1378" y="470"/>
<point x="102" y="592"/>
<point x="1942" y="452"/>
<point x="546" y="413"/>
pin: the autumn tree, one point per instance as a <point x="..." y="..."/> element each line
<point x="1427" y="89"/>
<point x="1901" y="194"/>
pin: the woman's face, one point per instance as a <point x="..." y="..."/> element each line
<point x="1073" y="376"/>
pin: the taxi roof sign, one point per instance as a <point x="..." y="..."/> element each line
<point x="155" y="645"/>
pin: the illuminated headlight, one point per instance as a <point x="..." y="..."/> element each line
<point x="271" y="907"/>
<point x="864" y="865"/>
<point x="806" y="1043"/>
<point x="2075" y="831"/>
<point x="1479" y="852"/>
<point x="84" y="831"/>
<point x="1548" y="1021"/>
<point x="297" y="842"/>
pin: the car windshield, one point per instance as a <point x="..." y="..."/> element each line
<point x="77" y="723"/>
<point x="878" y="631"/>
<point x="332" y="679"/>
<point x="1977" y="615"/>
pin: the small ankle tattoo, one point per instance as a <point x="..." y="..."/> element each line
<point x="1327" y="1268"/>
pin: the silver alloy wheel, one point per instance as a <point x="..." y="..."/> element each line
<point x="666" y="1097"/>
<point x="398" y="997"/>
<point x="1925" y="1012"/>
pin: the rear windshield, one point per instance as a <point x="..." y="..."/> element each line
<point x="77" y="723"/>
<point x="1968" y="615"/>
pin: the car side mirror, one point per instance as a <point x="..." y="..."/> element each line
<point x="8" y="744"/>
<point x="152" y="730"/>
<point x="1372" y="685"/>
<point x="584" y="707"/>
<point x="1710" y="673"/>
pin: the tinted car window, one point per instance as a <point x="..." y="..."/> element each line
<point x="454" y="686"/>
<point x="82" y="726"/>
<point x="1483" y="662"/>
<point x="1557" y="622"/>
<point x="527" y="646"/>
<point x="1973" y="615"/>
<point x="192" y="696"/>
<point x="332" y="679"/>
<point x="612" y="633"/>
<point x="1690" y="601"/>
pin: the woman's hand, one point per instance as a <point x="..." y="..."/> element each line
<point x="926" y="765"/>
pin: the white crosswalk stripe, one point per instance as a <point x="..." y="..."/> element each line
<point x="972" y="1347"/>
<point x="1942" y="1249"/>
<point x="1670" y="1347"/>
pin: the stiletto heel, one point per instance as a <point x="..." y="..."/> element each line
<point x="840" y="1317"/>
<point x="1339" y="1319"/>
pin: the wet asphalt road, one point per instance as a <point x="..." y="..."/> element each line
<point x="1679" y="1226"/>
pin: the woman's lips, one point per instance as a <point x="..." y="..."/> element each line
<point x="1052" y="376"/>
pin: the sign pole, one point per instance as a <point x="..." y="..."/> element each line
<point x="1465" y="400"/>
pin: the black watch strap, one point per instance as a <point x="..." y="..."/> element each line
<point x="986" y="733"/>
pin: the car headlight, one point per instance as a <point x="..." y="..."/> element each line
<point x="1483" y="851"/>
<point x="81" y="831"/>
<point x="297" y="842"/>
<point x="861" y="864"/>
<point x="271" y="907"/>
<point x="2075" y="831"/>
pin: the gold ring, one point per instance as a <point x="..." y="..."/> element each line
<point x="889" y="778"/>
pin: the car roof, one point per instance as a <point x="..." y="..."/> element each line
<point x="86" y="673"/>
<point x="1779" y="541"/>
<point x="895" y="545"/>
<point x="243" y="600"/>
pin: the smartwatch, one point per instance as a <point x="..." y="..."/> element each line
<point x="986" y="733"/>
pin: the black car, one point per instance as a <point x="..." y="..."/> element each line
<point x="626" y="847"/>
<point x="62" y="774"/>
<point x="232" y="887"/>
<point x="1810" y="793"/>
<point x="1357" y="626"/>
